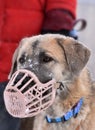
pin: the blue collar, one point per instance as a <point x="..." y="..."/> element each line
<point x="72" y="113"/>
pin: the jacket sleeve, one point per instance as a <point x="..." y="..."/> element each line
<point x="59" y="15"/>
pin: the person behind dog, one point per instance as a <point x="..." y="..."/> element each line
<point x="25" y="18"/>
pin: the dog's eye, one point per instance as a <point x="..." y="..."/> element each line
<point x="22" y="60"/>
<point x="46" y="59"/>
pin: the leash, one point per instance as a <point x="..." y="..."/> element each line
<point x="74" y="32"/>
<point x="71" y="113"/>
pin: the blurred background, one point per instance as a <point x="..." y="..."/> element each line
<point x="86" y="10"/>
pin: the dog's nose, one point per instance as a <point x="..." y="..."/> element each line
<point x="43" y="77"/>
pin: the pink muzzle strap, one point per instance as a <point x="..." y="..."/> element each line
<point x="27" y="96"/>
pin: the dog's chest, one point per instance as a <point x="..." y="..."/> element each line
<point x="56" y="110"/>
<point x="40" y="123"/>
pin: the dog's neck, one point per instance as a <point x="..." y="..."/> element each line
<point x="71" y="95"/>
<point x="71" y="113"/>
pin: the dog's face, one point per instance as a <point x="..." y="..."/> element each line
<point x="50" y="56"/>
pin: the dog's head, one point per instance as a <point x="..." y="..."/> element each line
<point x="50" y="56"/>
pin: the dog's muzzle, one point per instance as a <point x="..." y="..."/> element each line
<point x="26" y="96"/>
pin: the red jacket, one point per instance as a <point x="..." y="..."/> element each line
<point x="22" y="18"/>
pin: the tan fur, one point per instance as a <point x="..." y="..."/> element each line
<point x="70" y="58"/>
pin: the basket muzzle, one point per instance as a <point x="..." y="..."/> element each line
<point x="27" y="96"/>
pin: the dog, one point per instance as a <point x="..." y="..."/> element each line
<point x="64" y="59"/>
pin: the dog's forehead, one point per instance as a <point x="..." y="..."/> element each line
<point x="47" y="42"/>
<point x="34" y="47"/>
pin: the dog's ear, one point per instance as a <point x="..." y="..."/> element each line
<point x="76" y="54"/>
<point x="14" y="63"/>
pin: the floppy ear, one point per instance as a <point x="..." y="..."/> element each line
<point x="76" y="54"/>
<point x="14" y="63"/>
